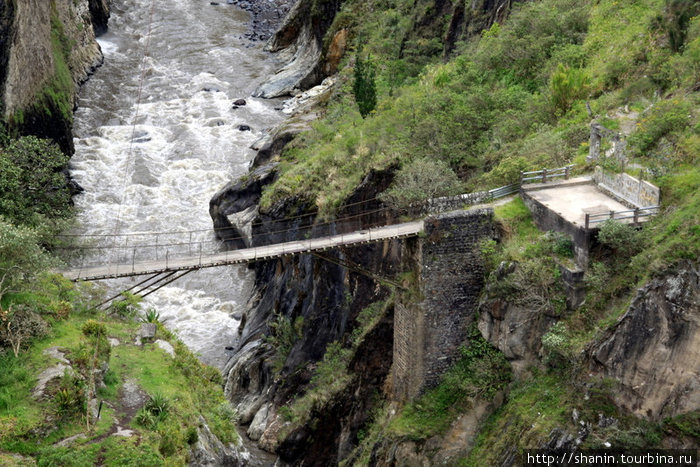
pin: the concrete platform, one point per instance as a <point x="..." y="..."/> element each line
<point x="573" y="199"/>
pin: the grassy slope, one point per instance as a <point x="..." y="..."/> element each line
<point x="30" y="427"/>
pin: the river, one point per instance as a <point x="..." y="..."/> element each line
<point x="152" y="164"/>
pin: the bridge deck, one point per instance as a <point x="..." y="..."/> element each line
<point x="245" y="255"/>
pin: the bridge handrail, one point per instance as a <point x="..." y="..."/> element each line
<point x="544" y="174"/>
<point x="637" y="213"/>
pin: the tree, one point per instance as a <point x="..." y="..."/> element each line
<point x="364" y="86"/>
<point x="33" y="187"/>
<point x="420" y="180"/>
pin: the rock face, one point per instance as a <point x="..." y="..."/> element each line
<point x="47" y="47"/>
<point x="328" y="298"/>
<point x="512" y="328"/>
<point x="654" y="349"/>
<point x="301" y="38"/>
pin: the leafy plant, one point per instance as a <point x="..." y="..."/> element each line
<point x="364" y="86"/>
<point x="151" y="316"/>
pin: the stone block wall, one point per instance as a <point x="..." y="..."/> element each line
<point x="431" y="320"/>
<point x="630" y="191"/>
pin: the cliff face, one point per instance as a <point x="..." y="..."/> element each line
<point x="327" y="298"/>
<point x="48" y="50"/>
<point x="653" y="351"/>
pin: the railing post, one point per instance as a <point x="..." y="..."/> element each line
<point x="544" y="175"/>
<point x="612" y="214"/>
<point x="522" y="175"/>
<point x="636" y="215"/>
<point x="566" y="172"/>
<point x="588" y="220"/>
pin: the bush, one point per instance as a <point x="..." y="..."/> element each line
<point x="421" y="180"/>
<point x="622" y="238"/>
<point x="33" y="188"/>
<point x="127" y="307"/>
<point x="19" y="325"/>
<point x="566" y="86"/>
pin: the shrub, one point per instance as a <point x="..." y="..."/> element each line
<point x="567" y="85"/>
<point x="151" y="316"/>
<point x="127" y="307"/>
<point x="158" y="405"/>
<point x="422" y="179"/>
<point x="622" y="238"/>
<point x="33" y="188"/>
<point x="19" y="325"/>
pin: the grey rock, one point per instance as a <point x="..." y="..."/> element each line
<point x="147" y="331"/>
<point x="57" y="353"/>
<point x="167" y="348"/>
<point x="239" y="102"/>
<point x="47" y="375"/>
<point x="259" y="423"/>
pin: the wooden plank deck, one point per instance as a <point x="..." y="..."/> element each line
<point x="244" y="255"/>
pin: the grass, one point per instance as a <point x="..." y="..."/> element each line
<point x="182" y="387"/>
<point x="481" y="372"/>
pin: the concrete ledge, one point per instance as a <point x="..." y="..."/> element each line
<point x="583" y="180"/>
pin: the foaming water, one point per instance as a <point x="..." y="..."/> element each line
<point x="153" y="165"/>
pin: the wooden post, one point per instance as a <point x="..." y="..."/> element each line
<point x="522" y="175"/>
<point x="588" y="219"/>
<point x="636" y="215"/>
<point x="612" y="214"/>
<point x="566" y="172"/>
<point x="544" y="176"/>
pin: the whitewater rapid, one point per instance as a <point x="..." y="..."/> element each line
<point x="152" y="164"/>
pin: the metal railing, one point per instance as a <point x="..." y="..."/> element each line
<point x="635" y="214"/>
<point x="545" y="174"/>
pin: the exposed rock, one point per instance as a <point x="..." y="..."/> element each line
<point x="257" y="426"/>
<point x="165" y="345"/>
<point x="301" y="38"/>
<point x="209" y="451"/>
<point x="243" y="128"/>
<point x="336" y="51"/>
<point x="123" y="432"/>
<point x="113" y="341"/>
<point x="132" y="397"/>
<point x="70" y="440"/>
<point x="236" y="197"/>
<point x="99" y="12"/>
<point x="47" y="375"/>
<point x="28" y="61"/>
<point x="147" y="331"/>
<point x="514" y="329"/>
<point x="239" y="102"/>
<point x="654" y="349"/>
<point x="57" y="353"/>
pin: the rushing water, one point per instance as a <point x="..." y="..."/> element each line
<point x="186" y="145"/>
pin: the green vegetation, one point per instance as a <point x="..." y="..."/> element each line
<point x="181" y="390"/>
<point x="331" y="374"/>
<point x="479" y="374"/>
<point x="364" y="87"/>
